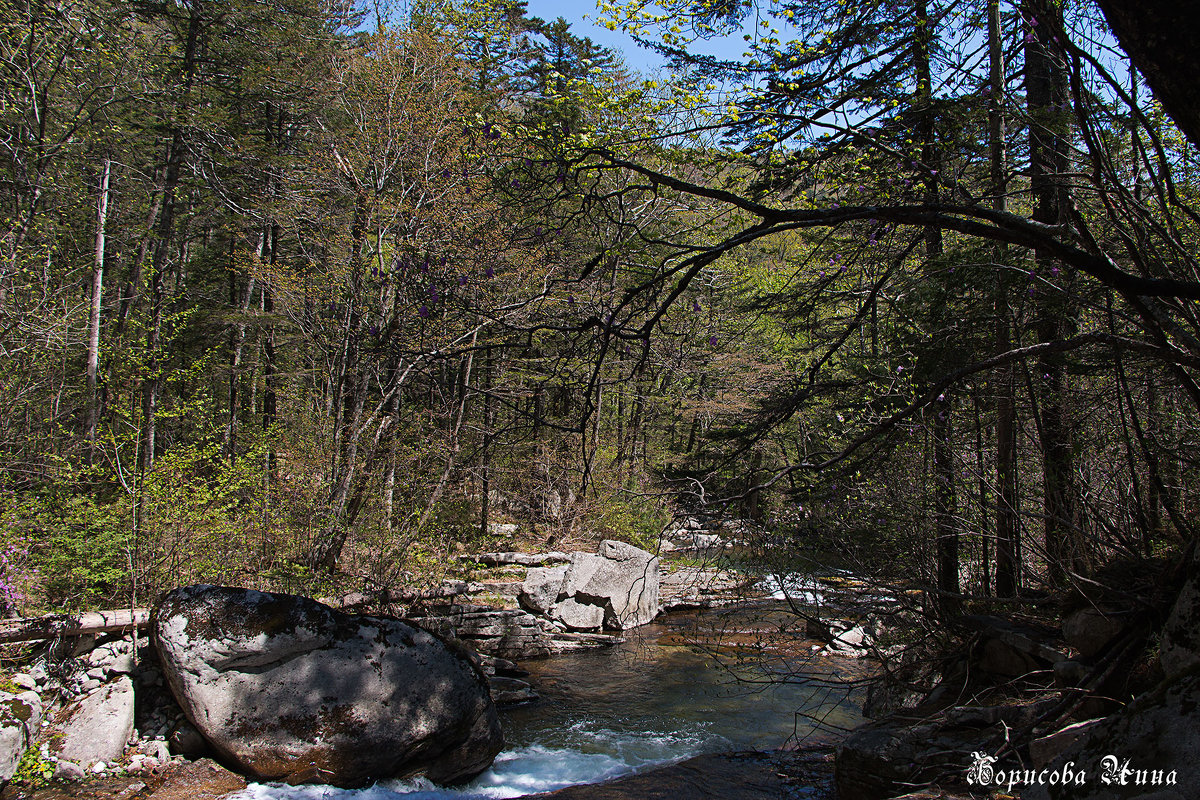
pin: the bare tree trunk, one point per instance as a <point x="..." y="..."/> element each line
<point x="237" y="347"/>
<point x="945" y="525"/>
<point x="93" y="356"/>
<point x="485" y="455"/>
<point x="1047" y="100"/>
<point x="1008" y="567"/>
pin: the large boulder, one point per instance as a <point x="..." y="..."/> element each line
<point x="290" y="689"/>
<point x="20" y="716"/>
<point x="1089" y="630"/>
<point x="541" y="588"/>
<point x="620" y="579"/>
<point x="98" y="727"/>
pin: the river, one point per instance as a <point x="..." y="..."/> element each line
<point x="671" y="691"/>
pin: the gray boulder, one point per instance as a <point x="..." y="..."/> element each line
<point x="290" y="689"/>
<point x="621" y="579"/>
<point x="1089" y="630"/>
<point x="68" y="772"/>
<point x="579" y="616"/>
<point x="541" y="588"/>
<point x="20" y="716"/>
<point x="98" y="727"/>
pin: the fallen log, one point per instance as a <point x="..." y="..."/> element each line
<point x="53" y="626"/>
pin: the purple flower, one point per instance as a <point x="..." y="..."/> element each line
<point x="712" y="341"/>
<point x="570" y="299"/>
<point x="1054" y="271"/>
<point x="374" y="330"/>
<point x="489" y="272"/>
<point x="423" y="311"/>
<point x="516" y="184"/>
<point x="696" y="306"/>
<point x="433" y="295"/>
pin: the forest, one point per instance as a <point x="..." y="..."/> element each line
<point x="307" y="296"/>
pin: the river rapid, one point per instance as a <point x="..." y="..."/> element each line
<point x="690" y="683"/>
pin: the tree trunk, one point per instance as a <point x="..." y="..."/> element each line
<point x="1008" y="567"/>
<point x="945" y="525"/>
<point x="93" y="356"/>
<point x="1047" y="99"/>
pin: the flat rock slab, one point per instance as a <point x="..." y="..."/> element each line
<point x="733" y="776"/>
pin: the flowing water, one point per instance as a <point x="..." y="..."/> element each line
<point x="670" y="692"/>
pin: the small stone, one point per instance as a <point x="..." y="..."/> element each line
<point x="97" y="672"/>
<point x="85" y="644"/>
<point x="156" y="749"/>
<point x="99" y="767"/>
<point x="186" y="740"/>
<point x="68" y="771"/>
<point x="122" y="665"/>
<point x="25" y="681"/>
<point x="91" y="684"/>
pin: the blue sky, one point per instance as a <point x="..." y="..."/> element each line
<point x="638" y="58"/>
<point x="573" y="11"/>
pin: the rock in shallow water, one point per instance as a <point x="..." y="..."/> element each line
<point x="290" y="689"/>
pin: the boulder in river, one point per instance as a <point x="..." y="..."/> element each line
<point x="290" y="689"/>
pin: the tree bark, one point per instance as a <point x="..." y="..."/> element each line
<point x="1008" y="566"/>
<point x="1047" y="99"/>
<point x="93" y="356"/>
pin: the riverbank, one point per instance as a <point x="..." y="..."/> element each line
<point x="694" y="682"/>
